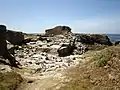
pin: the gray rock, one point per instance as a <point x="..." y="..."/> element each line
<point x="3" y="44"/>
<point x="14" y="37"/>
<point x="63" y="30"/>
<point x="66" y="50"/>
<point x="93" y="38"/>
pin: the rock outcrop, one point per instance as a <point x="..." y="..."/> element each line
<point x="3" y="44"/>
<point x="50" y="53"/>
<point x="14" y="37"/>
<point x="3" y="48"/>
<point x="117" y="43"/>
<point x="63" y="30"/>
<point x="93" y="38"/>
<point x="66" y="49"/>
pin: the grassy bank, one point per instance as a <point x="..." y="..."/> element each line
<point x="102" y="72"/>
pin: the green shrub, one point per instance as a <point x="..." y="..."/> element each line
<point x="103" y="56"/>
<point x="102" y="61"/>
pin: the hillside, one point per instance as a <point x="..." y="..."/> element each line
<point x="57" y="60"/>
<point x="101" y="72"/>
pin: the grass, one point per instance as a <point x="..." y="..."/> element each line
<point x="96" y="47"/>
<point x="9" y="80"/>
<point x="101" y="72"/>
<point x="102" y="57"/>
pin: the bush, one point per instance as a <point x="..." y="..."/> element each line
<point x="103" y="56"/>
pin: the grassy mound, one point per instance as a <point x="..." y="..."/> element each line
<point x="102" y="72"/>
<point x="9" y="81"/>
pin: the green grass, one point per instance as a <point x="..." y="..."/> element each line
<point x="96" y="47"/>
<point x="102" y="57"/>
<point x="9" y="80"/>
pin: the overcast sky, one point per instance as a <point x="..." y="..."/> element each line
<point x="84" y="16"/>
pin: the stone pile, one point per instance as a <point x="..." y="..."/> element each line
<point x="43" y="56"/>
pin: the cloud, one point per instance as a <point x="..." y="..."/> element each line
<point x="97" y="25"/>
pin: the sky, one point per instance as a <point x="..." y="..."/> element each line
<point x="83" y="16"/>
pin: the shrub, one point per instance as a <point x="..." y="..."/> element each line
<point x="103" y="56"/>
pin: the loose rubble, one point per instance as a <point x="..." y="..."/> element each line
<point x="58" y="49"/>
<point x="43" y="56"/>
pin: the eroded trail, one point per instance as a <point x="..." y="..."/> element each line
<point x="36" y="82"/>
<point x="50" y="81"/>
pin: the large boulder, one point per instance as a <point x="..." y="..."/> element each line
<point x="66" y="49"/>
<point x="93" y="38"/>
<point x="3" y="47"/>
<point x="3" y="44"/>
<point x="117" y="43"/>
<point x="58" y="30"/>
<point x="14" y="37"/>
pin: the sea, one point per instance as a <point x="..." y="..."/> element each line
<point x="114" y="37"/>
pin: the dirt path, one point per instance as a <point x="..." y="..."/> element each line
<point x="37" y="82"/>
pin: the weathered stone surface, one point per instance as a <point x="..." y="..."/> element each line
<point x="41" y="54"/>
<point x="63" y="30"/>
<point x="66" y="50"/>
<point x="3" y="48"/>
<point x="93" y="38"/>
<point x="117" y="43"/>
<point x="14" y="37"/>
<point x="3" y="44"/>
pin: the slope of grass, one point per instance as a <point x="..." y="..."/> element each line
<point x="102" y="72"/>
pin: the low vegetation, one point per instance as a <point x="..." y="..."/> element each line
<point x="96" y="47"/>
<point x="101" y="72"/>
<point x="9" y="80"/>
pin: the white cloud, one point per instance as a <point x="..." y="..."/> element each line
<point x="97" y="25"/>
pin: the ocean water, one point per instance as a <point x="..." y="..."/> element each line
<point x="114" y="37"/>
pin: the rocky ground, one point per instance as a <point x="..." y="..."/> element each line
<point x="42" y="56"/>
<point x="46" y="58"/>
<point x="40" y="60"/>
